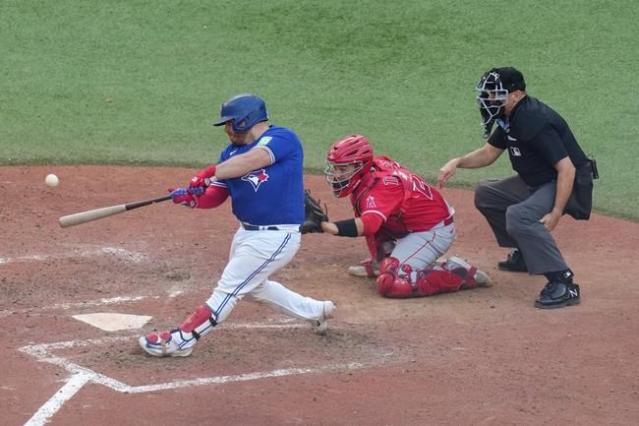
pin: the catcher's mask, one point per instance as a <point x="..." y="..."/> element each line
<point x="346" y="162"/>
<point x="243" y="111"/>
<point x="492" y="92"/>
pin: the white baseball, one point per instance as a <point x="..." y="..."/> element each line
<point x="51" y="180"/>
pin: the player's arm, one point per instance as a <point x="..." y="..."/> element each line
<point x="386" y="196"/>
<point x="549" y="144"/>
<point x="213" y="196"/>
<point x="565" y="181"/>
<point x="481" y="157"/>
<point x="368" y="224"/>
<point x="344" y="228"/>
<point x="257" y="158"/>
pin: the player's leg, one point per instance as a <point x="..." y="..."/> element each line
<point x="401" y="272"/>
<point x="536" y="242"/>
<point x="293" y="304"/>
<point x="540" y="249"/>
<point x="380" y="249"/>
<point x="492" y="199"/>
<point x="255" y="256"/>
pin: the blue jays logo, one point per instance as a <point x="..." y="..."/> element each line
<point x="256" y="178"/>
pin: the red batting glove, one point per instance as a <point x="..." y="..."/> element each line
<point x="183" y="196"/>
<point x="201" y="178"/>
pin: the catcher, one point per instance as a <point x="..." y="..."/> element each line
<point x="407" y="224"/>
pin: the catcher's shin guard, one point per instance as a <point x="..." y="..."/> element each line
<point x="435" y="281"/>
<point x="388" y="282"/>
<point x="472" y="276"/>
<point x="456" y="274"/>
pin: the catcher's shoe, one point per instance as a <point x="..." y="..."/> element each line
<point x="321" y="325"/>
<point x="480" y="278"/>
<point x="558" y="295"/>
<point x="167" y="343"/>
<point x="514" y="262"/>
<point x="366" y="269"/>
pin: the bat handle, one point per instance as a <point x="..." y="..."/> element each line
<point x="136" y="204"/>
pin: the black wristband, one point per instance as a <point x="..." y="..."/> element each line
<point x="346" y="228"/>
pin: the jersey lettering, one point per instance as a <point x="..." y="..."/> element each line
<point x="422" y="187"/>
<point x="390" y="180"/>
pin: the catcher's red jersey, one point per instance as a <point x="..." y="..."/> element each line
<point x="403" y="200"/>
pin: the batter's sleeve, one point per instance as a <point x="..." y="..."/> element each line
<point x="279" y="147"/>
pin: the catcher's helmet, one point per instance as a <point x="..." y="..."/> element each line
<point x="493" y="89"/>
<point x="346" y="162"/>
<point x="243" y="111"/>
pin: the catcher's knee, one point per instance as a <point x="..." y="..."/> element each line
<point x="389" y="284"/>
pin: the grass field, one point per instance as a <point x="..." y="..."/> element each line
<point x="138" y="82"/>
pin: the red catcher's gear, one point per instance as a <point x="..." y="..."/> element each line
<point x="354" y="151"/>
<point x="396" y="280"/>
<point x="389" y="284"/>
<point x="403" y="200"/>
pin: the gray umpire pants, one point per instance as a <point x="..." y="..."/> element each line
<point x="513" y="211"/>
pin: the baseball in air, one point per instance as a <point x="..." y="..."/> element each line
<point x="51" y="180"/>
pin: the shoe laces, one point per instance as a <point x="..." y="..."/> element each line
<point x="549" y="289"/>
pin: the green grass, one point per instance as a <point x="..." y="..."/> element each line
<point x="138" y="82"/>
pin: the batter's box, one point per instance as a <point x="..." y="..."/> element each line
<point x="236" y="352"/>
<point x="264" y="350"/>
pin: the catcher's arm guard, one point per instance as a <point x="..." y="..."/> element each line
<point x="314" y="214"/>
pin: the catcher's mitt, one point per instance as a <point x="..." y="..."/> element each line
<point x="314" y="214"/>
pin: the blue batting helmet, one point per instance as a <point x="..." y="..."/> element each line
<point x="243" y="111"/>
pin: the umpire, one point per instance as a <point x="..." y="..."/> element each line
<point x="554" y="177"/>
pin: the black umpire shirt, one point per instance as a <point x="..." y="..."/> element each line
<point x="536" y="138"/>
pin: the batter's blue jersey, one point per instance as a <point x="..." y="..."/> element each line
<point x="275" y="194"/>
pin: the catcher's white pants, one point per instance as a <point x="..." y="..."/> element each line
<point x="254" y="256"/>
<point x="422" y="249"/>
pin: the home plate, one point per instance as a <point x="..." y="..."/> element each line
<point x="114" y="322"/>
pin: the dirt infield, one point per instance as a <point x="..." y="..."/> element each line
<point x="484" y="356"/>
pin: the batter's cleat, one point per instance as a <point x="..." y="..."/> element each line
<point x="366" y="269"/>
<point x="167" y="343"/>
<point x="320" y="326"/>
<point x="558" y="295"/>
<point x="514" y="262"/>
<point x="480" y="278"/>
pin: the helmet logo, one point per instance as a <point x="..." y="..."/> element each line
<point x="256" y="178"/>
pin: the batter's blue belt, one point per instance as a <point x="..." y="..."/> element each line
<point x="289" y="228"/>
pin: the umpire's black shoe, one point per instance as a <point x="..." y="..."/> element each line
<point x="514" y="262"/>
<point x="558" y="295"/>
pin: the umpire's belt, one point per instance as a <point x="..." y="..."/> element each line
<point x="288" y="228"/>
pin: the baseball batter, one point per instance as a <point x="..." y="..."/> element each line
<point x="261" y="171"/>
<point x="407" y="223"/>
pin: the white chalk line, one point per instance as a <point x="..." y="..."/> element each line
<point x="98" y="302"/>
<point x="120" y="253"/>
<point x="66" y="392"/>
<point x="80" y="376"/>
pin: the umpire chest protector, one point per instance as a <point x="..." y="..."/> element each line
<point x="536" y="138"/>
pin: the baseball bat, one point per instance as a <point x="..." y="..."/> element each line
<point x="89" y="215"/>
